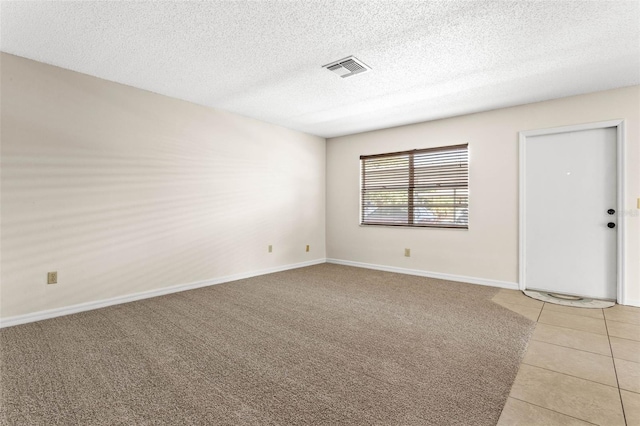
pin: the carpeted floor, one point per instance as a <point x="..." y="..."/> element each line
<point x="323" y="345"/>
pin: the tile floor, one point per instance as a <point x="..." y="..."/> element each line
<point x="582" y="366"/>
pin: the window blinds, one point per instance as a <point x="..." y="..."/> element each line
<point x="425" y="188"/>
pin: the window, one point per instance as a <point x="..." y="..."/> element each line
<point x="421" y="188"/>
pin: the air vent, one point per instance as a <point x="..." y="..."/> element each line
<point x="347" y="67"/>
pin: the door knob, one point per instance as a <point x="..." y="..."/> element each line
<point x="611" y="225"/>
<point x="611" y="211"/>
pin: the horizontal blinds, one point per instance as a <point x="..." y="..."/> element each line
<point x="428" y="187"/>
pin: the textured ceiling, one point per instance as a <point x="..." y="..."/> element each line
<point x="263" y="59"/>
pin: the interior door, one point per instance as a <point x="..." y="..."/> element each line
<point x="570" y="218"/>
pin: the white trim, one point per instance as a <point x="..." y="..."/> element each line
<point x="621" y="217"/>
<point x="67" y="310"/>
<point x="421" y="273"/>
<point x="522" y="264"/>
<point x="573" y="128"/>
<point x="620" y="149"/>
<point x="633" y="302"/>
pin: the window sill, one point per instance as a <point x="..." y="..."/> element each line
<point x="461" y="228"/>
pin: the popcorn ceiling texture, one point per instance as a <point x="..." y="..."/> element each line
<point x="263" y="59"/>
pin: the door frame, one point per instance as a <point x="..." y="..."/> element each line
<point x="620" y="219"/>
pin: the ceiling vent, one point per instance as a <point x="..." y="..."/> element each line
<point x="347" y="67"/>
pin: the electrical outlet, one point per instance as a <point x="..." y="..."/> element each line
<point x="407" y="252"/>
<point x="307" y="247"/>
<point x="52" y="277"/>
<point x="270" y="248"/>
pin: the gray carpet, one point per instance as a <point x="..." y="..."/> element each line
<point x="323" y="345"/>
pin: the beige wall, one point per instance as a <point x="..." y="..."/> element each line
<point x="489" y="249"/>
<point x="123" y="191"/>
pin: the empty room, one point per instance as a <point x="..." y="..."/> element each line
<point x="320" y="212"/>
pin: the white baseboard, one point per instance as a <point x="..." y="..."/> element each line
<point x="421" y="273"/>
<point x="632" y="302"/>
<point x="67" y="310"/>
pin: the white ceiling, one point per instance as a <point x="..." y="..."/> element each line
<point x="263" y="59"/>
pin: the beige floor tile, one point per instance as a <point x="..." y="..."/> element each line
<point x="575" y="322"/>
<point x="623" y="314"/>
<point x="628" y="375"/>
<point x="526" y="311"/>
<point x="625" y="349"/>
<point x="623" y="330"/>
<point x="518" y="299"/>
<point x="518" y="412"/>
<point x="584" y="312"/>
<point x="631" y="403"/>
<point x="579" y="398"/>
<point x="585" y="365"/>
<point x="625" y="308"/>
<point x="576" y="339"/>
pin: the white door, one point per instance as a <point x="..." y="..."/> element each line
<point x="570" y="219"/>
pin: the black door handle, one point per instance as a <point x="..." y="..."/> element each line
<point x="611" y="211"/>
<point x="611" y="225"/>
